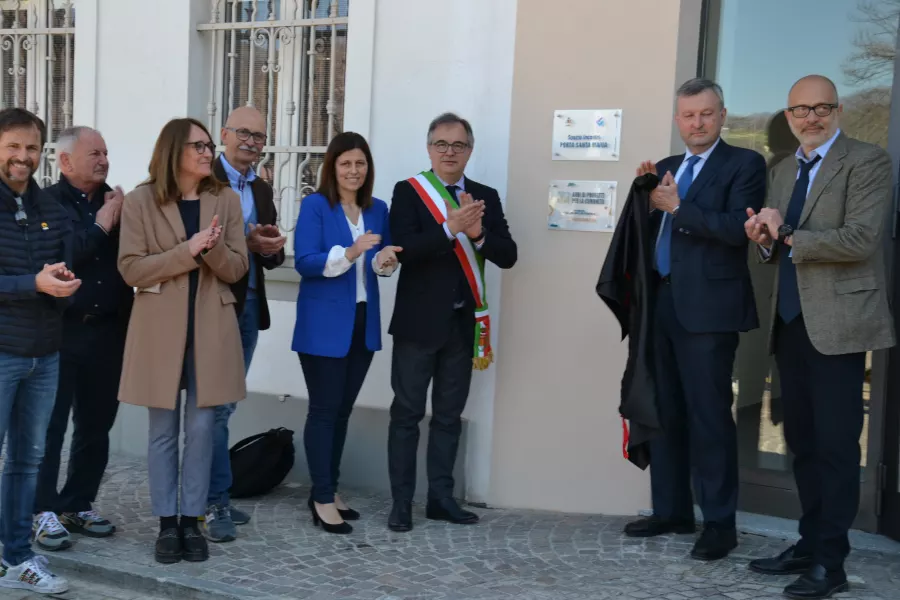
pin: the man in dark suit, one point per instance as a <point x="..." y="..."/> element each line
<point x="243" y="137"/>
<point x="446" y="224"/>
<point x="94" y="329"/>
<point x="827" y="210"/>
<point x="704" y="298"/>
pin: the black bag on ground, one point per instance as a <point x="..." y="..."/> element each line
<point x="261" y="462"/>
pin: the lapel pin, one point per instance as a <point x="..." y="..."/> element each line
<point x="44" y="226"/>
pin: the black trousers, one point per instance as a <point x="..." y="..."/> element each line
<point x="699" y="443"/>
<point x="333" y="385"/>
<point x="823" y="419"/>
<point x="89" y="370"/>
<point x="413" y="366"/>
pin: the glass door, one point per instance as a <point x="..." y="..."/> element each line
<point x="755" y="49"/>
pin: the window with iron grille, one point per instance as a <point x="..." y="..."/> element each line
<point x="37" y="57"/>
<point x="288" y="59"/>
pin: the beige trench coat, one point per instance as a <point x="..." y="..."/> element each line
<point x="154" y="257"/>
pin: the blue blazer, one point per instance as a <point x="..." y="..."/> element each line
<point x="326" y="306"/>
<point x="710" y="274"/>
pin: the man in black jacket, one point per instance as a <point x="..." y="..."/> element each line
<point x="244" y="137"/>
<point x="35" y="247"/>
<point x="447" y="225"/>
<point x="93" y="345"/>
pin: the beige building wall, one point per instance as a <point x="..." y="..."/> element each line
<point x="557" y="434"/>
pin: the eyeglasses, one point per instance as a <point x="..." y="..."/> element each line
<point x="21" y="215"/>
<point x="200" y="147"/>
<point x="822" y="110"/>
<point x="442" y="146"/>
<point x="244" y="135"/>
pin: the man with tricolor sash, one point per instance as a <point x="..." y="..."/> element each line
<point x="448" y="226"/>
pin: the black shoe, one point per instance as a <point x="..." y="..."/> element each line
<point x="401" y="516"/>
<point x="341" y="528"/>
<point x="168" y="546"/>
<point x="348" y="514"/>
<point x="653" y="526"/>
<point x="715" y="542"/>
<point x="786" y="563"/>
<point x="818" y="583"/>
<point x="446" y="509"/>
<point x="195" y="547"/>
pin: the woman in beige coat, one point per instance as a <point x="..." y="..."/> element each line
<point x="182" y="244"/>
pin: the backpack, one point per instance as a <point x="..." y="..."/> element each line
<point x="261" y="462"/>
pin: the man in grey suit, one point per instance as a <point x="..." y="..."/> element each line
<point x="822" y="227"/>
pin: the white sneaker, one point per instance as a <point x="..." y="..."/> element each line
<point x="32" y="575"/>
<point x="49" y="533"/>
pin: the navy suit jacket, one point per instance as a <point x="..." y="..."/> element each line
<point x="326" y="306"/>
<point x="710" y="276"/>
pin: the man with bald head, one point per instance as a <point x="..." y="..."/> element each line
<point x="94" y="329"/>
<point x="822" y="228"/>
<point x="243" y="136"/>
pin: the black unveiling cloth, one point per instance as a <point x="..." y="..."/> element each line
<point x="627" y="283"/>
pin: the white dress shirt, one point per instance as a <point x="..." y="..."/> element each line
<point x="337" y="264"/>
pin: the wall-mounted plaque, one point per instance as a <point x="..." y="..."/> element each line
<point x="582" y="205"/>
<point x="587" y="134"/>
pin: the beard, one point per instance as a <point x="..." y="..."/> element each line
<point x="15" y="162"/>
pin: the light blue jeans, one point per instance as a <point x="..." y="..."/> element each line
<point x="27" y="395"/>
<point x="220" y="477"/>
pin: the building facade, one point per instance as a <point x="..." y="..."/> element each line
<point x="542" y="429"/>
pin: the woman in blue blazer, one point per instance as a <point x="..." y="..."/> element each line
<point x="341" y="246"/>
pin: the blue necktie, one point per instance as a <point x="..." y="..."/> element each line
<point x="664" y="245"/>
<point x="788" y="294"/>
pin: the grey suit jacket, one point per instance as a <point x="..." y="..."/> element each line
<point x="838" y="249"/>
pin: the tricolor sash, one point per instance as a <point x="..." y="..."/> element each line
<point x="436" y="198"/>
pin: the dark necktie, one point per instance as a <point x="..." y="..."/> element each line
<point x="462" y="285"/>
<point x="788" y="294"/>
<point x="664" y="245"/>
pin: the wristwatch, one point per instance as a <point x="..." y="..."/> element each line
<point x="477" y="240"/>
<point x="784" y="232"/>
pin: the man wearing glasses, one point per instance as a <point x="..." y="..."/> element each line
<point x="822" y="228"/>
<point x="35" y="249"/>
<point x="448" y="226"/>
<point x="243" y="137"/>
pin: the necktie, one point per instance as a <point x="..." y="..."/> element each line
<point x="451" y="189"/>
<point x="664" y="245"/>
<point x="788" y="294"/>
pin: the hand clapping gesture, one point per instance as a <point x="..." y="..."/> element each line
<point x="205" y="240"/>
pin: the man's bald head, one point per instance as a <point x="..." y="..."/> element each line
<point x="813" y="111"/>
<point x="243" y="136"/>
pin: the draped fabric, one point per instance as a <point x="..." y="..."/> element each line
<point x="626" y="285"/>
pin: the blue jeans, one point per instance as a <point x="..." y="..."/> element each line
<point x="220" y="477"/>
<point x="27" y="394"/>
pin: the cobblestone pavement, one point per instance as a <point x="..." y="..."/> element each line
<point x="510" y="555"/>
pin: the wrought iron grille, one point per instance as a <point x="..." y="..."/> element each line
<point x="37" y="50"/>
<point x="288" y="59"/>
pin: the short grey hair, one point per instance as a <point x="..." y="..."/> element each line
<point x="65" y="143"/>
<point x="449" y="118"/>
<point x="698" y="85"/>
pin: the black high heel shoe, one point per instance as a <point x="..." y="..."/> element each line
<point x="340" y="528"/>
<point x="348" y="514"/>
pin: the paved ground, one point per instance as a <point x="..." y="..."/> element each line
<point x="511" y="555"/>
<point x="83" y="589"/>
